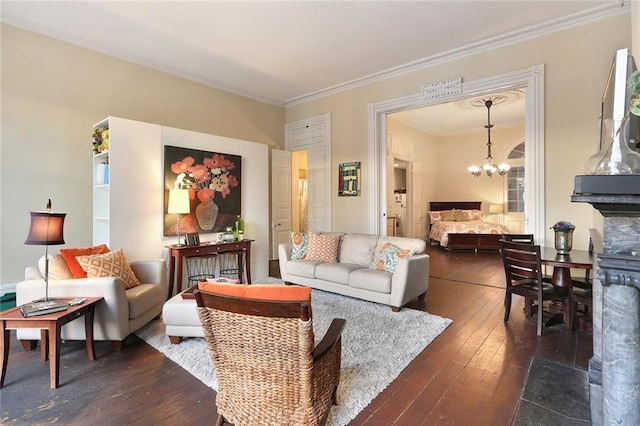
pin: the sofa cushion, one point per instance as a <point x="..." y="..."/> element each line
<point x="302" y="268"/>
<point x="70" y="255"/>
<point x="358" y="249"/>
<point x="299" y="244"/>
<point x="387" y="257"/>
<point x="282" y="292"/>
<point x="143" y="297"/>
<point x="371" y="279"/>
<point x="323" y="247"/>
<point x="58" y="268"/>
<point x="112" y="264"/>
<point x="335" y="272"/>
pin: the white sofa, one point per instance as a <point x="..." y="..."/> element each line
<point x="121" y="313"/>
<point x="352" y="275"/>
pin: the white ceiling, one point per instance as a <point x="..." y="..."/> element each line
<point x="286" y="52"/>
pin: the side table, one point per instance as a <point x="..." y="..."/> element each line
<point x="50" y="326"/>
<point x="177" y="254"/>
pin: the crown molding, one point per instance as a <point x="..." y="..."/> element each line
<point x="598" y="13"/>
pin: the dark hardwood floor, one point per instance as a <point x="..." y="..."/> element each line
<point x="473" y="373"/>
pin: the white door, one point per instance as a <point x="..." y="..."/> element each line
<point x="319" y="190"/>
<point x="416" y="229"/>
<point x="281" y="198"/>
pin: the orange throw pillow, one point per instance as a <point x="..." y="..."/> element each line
<point x="70" y="255"/>
<point x="292" y="293"/>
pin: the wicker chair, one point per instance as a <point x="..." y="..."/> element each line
<point x="269" y="372"/>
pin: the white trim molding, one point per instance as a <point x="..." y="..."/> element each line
<point x="532" y="79"/>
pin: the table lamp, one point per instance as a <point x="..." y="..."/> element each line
<point x="178" y="204"/>
<point x="496" y="209"/>
<point x="46" y="230"/>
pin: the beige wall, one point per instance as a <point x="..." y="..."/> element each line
<point x="576" y="65"/>
<point x="52" y="94"/>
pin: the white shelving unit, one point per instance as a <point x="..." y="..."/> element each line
<point x="101" y="195"/>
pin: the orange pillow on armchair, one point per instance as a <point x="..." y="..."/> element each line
<point x="70" y="255"/>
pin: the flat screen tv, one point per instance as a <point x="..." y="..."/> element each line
<point x="616" y="99"/>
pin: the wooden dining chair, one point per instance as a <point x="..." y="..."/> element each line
<point x="261" y="341"/>
<point x="518" y="238"/>
<point x="524" y="239"/>
<point x="523" y="273"/>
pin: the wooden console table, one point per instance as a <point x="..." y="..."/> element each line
<point x="177" y="254"/>
<point x="50" y="326"/>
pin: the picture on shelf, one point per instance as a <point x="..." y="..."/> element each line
<point x="214" y="184"/>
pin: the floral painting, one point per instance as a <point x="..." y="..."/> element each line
<point x="213" y="180"/>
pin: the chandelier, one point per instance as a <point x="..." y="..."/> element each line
<point x="489" y="167"/>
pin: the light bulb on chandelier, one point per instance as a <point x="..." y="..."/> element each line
<point x="489" y="168"/>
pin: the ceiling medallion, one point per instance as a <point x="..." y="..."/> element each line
<point x="496" y="99"/>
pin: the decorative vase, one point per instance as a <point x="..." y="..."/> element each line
<point x="564" y="241"/>
<point x="618" y="158"/>
<point x="227" y="236"/>
<point x="207" y="214"/>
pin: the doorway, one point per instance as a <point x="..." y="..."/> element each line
<point x="531" y="79"/>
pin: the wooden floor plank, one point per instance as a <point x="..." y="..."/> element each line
<point x="473" y="373"/>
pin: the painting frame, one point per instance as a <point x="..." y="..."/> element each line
<point x="349" y="179"/>
<point x="214" y="181"/>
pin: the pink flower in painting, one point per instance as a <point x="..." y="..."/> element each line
<point x="204" y="180"/>
<point x="182" y="166"/>
<point x="200" y="173"/>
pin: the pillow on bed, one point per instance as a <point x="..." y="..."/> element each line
<point x="435" y="217"/>
<point x="448" y="215"/>
<point x="472" y="214"/>
<point x="461" y="216"/>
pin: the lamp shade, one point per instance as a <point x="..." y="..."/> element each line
<point x="178" y="201"/>
<point x="46" y="229"/>
<point x="496" y="208"/>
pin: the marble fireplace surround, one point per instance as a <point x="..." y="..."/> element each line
<point x="614" y="369"/>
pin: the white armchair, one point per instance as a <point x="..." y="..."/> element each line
<point x="121" y="313"/>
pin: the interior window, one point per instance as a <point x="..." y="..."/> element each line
<point x="515" y="180"/>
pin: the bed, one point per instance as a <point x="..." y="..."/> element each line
<point x="470" y="231"/>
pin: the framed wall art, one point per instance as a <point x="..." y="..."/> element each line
<point x="349" y="181"/>
<point x="214" y="183"/>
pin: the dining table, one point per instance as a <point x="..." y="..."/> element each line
<point x="562" y="265"/>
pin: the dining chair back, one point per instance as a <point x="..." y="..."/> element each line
<point x="518" y="238"/>
<point x="523" y="273"/>
<point x="267" y="367"/>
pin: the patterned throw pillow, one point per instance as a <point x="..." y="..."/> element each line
<point x="387" y="257"/>
<point x="299" y="244"/>
<point x="112" y="264"/>
<point x="323" y="247"/>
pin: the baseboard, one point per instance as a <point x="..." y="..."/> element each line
<point x="7" y="288"/>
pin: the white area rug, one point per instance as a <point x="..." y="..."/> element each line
<point x="377" y="344"/>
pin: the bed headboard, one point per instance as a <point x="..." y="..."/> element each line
<point x="436" y="206"/>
